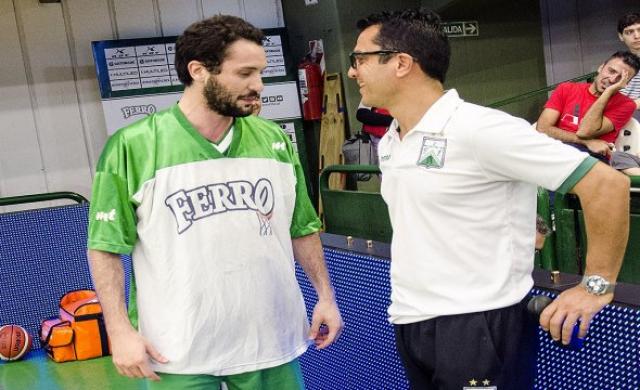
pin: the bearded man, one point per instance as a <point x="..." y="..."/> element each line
<point x="211" y="203"/>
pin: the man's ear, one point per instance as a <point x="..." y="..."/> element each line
<point x="197" y="70"/>
<point x="405" y="64"/>
<point x="620" y="37"/>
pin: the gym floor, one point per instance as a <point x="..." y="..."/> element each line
<point x="37" y="372"/>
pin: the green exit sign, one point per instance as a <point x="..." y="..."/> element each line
<point x="461" y="29"/>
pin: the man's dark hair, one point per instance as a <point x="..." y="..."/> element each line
<point x="207" y="41"/>
<point x="627" y="20"/>
<point x="417" y="32"/>
<point x="628" y="58"/>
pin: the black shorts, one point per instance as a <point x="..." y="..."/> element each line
<point x="494" y="349"/>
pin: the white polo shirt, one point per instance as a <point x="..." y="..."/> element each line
<point x="461" y="191"/>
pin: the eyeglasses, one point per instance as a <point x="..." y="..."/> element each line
<point x="355" y="55"/>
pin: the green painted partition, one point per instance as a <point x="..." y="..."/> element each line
<point x="354" y="213"/>
<point x="571" y="239"/>
<point x="569" y="246"/>
<point x="545" y="258"/>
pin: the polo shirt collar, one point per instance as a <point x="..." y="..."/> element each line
<point x="435" y="119"/>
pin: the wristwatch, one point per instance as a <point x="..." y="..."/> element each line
<point x="597" y="285"/>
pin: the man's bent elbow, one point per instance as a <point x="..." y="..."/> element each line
<point x="584" y="134"/>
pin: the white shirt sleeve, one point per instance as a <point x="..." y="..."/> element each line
<point x="509" y="148"/>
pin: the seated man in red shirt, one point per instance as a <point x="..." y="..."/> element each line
<point x="589" y="116"/>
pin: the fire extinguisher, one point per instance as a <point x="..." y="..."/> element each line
<point x="310" y="77"/>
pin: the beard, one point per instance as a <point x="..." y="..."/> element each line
<point x="222" y="101"/>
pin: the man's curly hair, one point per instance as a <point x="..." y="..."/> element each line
<point x="207" y="41"/>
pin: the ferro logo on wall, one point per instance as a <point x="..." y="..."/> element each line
<point x="142" y="109"/>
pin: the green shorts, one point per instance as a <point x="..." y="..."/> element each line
<point x="285" y="377"/>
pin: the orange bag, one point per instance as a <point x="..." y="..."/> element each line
<point x="79" y="332"/>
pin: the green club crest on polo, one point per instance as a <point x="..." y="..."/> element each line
<point x="432" y="152"/>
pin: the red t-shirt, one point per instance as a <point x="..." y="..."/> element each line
<point x="573" y="100"/>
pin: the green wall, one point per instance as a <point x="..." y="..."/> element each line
<point x="505" y="60"/>
<point x="334" y="21"/>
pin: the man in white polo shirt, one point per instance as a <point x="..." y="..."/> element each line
<point x="460" y="182"/>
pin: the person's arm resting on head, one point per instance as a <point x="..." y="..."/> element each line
<point x="595" y="123"/>
<point x="307" y="251"/>
<point x="604" y="196"/>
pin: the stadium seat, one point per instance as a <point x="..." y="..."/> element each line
<point x="629" y="138"/>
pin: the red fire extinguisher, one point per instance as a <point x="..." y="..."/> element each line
<point x="310" y="77"/>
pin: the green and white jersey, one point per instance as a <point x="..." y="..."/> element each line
<point x="210" y="236"/>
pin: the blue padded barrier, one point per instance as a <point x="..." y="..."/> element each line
<point x="42" y="256"/>
<point x="365" y="356"/>
<point x="610" y="358"/>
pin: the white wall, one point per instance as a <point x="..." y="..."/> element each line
<point x="51" y="121"/>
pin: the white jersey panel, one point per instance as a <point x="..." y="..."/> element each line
<point x="243" y="299"/>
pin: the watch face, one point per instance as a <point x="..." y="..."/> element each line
<point x="596" y="285"/>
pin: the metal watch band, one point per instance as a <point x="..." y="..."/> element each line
<point x="597" y="285"/>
